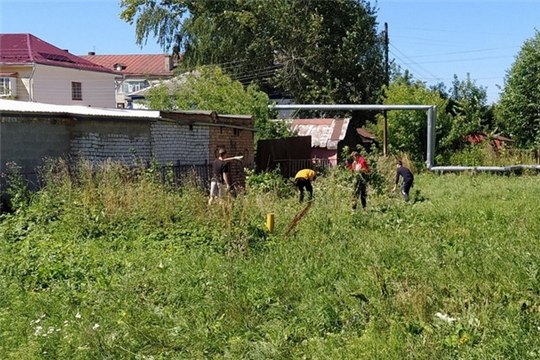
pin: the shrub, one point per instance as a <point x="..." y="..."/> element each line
<point x="268" y="182"/>
<point x="17" y="191"/>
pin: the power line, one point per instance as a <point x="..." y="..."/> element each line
<point x="411" y="61"/>
<point x="464" y="52"/>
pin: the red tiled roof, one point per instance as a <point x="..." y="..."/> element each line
<point x="479" y="137"/>
<point x="142" y="65"/>
<point x="26" y="49"/>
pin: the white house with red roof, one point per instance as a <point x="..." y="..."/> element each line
<point x="36" y="71"/>
<point x="136" y="72"/>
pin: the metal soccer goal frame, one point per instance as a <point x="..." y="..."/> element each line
<point x="429" y="109"/>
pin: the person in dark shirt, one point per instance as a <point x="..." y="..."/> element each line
<point x="221" y="180"/>
<point x="408" y="179"/>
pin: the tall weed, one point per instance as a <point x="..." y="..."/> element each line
<point x="110" y="262"/>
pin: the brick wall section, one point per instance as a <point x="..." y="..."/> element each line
<point x="189" y="139"/>
<point x="236" y="142"/>
<point x="180" y="144"/>
<point x="118" y="141"/>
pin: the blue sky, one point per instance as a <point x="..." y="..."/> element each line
<point x="435" y="40"/>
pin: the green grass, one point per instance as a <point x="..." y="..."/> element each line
<point x="111" y="267"/>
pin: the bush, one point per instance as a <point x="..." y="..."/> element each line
<point x="271" y="182"/>
<point x="17" y="191"/>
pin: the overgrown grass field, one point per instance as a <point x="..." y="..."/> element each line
<point x="104" y="265"/>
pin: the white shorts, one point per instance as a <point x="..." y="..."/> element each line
<point x="216" y="189"/>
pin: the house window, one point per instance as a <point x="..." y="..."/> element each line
<point x="132" y="85"/>
<point x="76" y="90"/>
<point x="7" y="86"/>
<point x="236" y="132"/>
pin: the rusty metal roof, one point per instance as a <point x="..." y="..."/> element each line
<point x="26" y="49"/>
<point x="479" y="137"/>
<point x="365" y="134"/>
<point x="325" y="133"/>
<point x="146" y="65"/>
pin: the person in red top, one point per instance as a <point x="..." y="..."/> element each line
<point x="360" y="167"/>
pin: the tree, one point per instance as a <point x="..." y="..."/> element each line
<point x="208" y="88"/>
<point x="518" y="111"/>
<point x="407" y="129"/>
<point x="315" y="51"/>
<point x="468" y="110"/>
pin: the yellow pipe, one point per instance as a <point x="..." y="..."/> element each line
<point x="270" y="222"/>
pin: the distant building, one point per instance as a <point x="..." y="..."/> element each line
<point x="496" y="141"/>
<point x="34" y="70"/>
<point x="135" y="72"/>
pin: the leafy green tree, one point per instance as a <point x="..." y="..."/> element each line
<point x="461" y="110"/>
<point x="209" y="89"/>
<point x="518" y="111"/>
<point x="407" y="129"/>
<point x="315" y="51"/>
<point x="469" y="112"/>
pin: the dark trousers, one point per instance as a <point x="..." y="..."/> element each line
<point x="360" y="191"/>
<point x="405" y="188"/>
<point x="302" y="184"/>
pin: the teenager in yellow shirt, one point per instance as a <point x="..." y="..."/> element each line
<point x="303" y="181"/>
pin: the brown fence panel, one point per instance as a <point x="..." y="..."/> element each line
<point x="275" y="152"/>
<point x="289" y="167"/>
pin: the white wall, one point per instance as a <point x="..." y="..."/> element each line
<point x="52" y="85"/>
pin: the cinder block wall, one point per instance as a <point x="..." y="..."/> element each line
<point x="180" y="144"/>
<point x="28" y="140"/>
<point x="118" y="141"/>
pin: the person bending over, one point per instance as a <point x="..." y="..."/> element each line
<point x="303" y="181"/>
<point x="408" y="179"/>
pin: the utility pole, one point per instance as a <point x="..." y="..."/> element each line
<point x="386" y="82"/>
